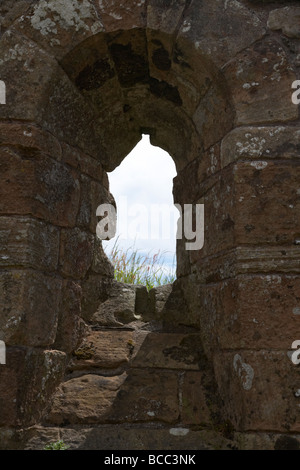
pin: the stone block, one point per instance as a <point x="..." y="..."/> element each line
<point x="93" y="194"/>
<point x="158" y="297"/>
<point x="252" y="312"/>
<point x="280" y="259"/>
<point x="81" y="161"/>
<point x="170" y="351"/>
<point x="33" y="184"/>
<point x="11" y="374"/>
<point x="107" y="349"/>
<point x="124" y="437"/>
<point x="101" y="262"/>
<point x="253" y="203"/>
<point x="214" y="116"/>
<point x="119" y="308"/>
<point x="95" y="290"/>
<point x="165" y="61"/>
<point x="200" y="174"/>
<point x="27" y="382"/>
<point x="70" y="328"/>
<point x="21" y="57"/>
<point x="260" y="81"/>
<point x="43" y="374"/>
<point x="147" y="395"/>
<point x="220" y="214"/>
<point x="164" y="17"/>
<point x="119" y="135"/>
<point x="76" y="252"/>
<point x="126" y="15"/>
<point x="51" y="23"/>
<point x="260" y="143"/>
<point x="38" y="437"/>
<point x="30" y="304"/>
<point x="195" y="401"/>
<point x="10" y="11"/>
<point x="287" y="19"/>
<point x="70" y="117"/>
<point x="31" y="137"/>
<point x="87" y="399"/>
<point x="267" y="203"/>
<point x="259" y="389"/>
<point x="28" y="243"/>
<point x="237" y="28"/>
<point x="142" y="303"/>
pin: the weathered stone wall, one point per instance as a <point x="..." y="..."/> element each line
<point x="211" y="82"/>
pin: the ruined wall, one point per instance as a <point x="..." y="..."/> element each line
<point x="211" y="82"/>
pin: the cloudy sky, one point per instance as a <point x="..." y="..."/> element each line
<point x="142" y="187"/>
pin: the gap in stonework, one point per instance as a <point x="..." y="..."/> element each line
<point x="145" y="242"/>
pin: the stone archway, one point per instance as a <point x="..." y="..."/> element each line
<point x="211" y="84"/>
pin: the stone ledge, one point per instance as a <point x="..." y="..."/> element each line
<point x="124" y="437"/>
<point x="280" y="142"/>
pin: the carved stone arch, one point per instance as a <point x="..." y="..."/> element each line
<point x="211" y="83"/>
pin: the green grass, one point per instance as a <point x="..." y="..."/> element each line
<point x="59" y="445"/>
<point x="132" y="267"/>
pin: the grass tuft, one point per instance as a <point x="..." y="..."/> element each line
<point x="132" y="267"/>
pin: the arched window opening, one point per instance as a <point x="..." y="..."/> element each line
<point x="144" y="248"/>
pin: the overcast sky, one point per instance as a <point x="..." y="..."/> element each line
<point x="141" y="185"/>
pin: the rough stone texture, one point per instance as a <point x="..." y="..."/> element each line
<point x="132" y="376"/>
<point x="92" y="195"/>
<point x="85" y="399"/>
<point x="158" y="297"/>
<point x="33" y="184"/>
<point x="49" y="23"/>
<point x="287" y="19"/>
<point x="130" y="14"/>
<point x="10" y="377"/>
<point x="170" y="351"/>
<point x="10" y="11"/>
<point x="142" y="301"/>
<point x="265" y="374"/>
<point x="88" y="166"/>
<point x="122" y="437"/>
<point x="243" y="313"/>
<point x="267" y="203"/>
<point x="31" y="137"/>
<point x="195" y="406"/>
<point x="103" y="349"/>
<point x="119" y="308"/>
<point x="213" y="117"/>
<point x="101" y="263"/>
<point x="94" y="293"/>
<point x="28" y="243"/>
<point x="29" y="307"/>
<point x="211" y="83"/>
<point x="254" y="94"/>
<point x="237" y="28"/>
<point x="27" y="382"/>
<point x="76" y="253"/>
<point x="146" y="396"/>
<point x="70" y="327"/>
<point x="22" y="57"/>
<point x="260" y="143"/>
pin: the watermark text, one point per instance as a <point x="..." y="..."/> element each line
<point x="295" y="357"/>
<point x="153" y="223"/>
<point x="2" y="352"/>
<point x="296" y="94"/>
<point x="2" y="92"/>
